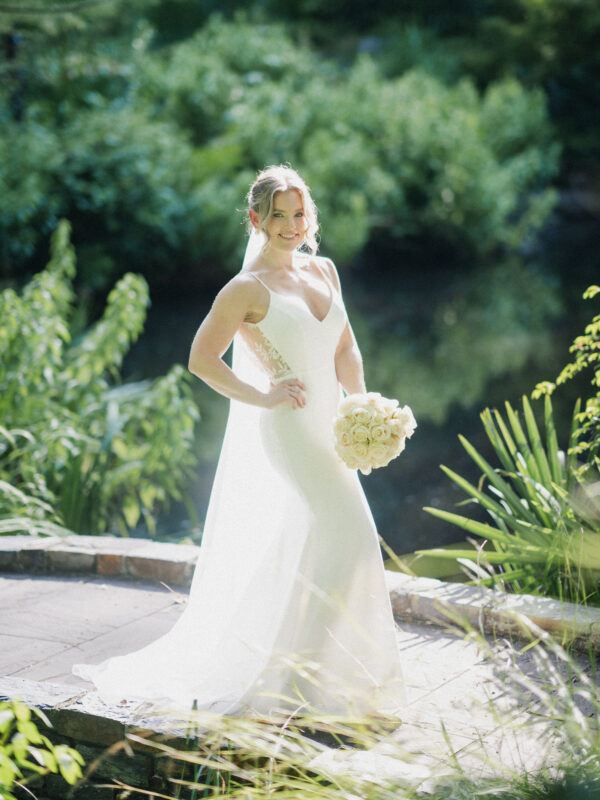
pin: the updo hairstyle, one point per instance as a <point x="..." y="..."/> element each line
<point x="262" y="193"/>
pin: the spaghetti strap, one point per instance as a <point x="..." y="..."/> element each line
<point x="254" y="275"/>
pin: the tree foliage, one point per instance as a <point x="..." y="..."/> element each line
<point x="77" y="448"/>
<point x="151" y="151"/>
<point x="586" y="358"/>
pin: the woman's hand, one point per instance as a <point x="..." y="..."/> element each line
<point x="288" y="391"/>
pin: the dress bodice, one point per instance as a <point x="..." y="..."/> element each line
<point x="290" y="340"/>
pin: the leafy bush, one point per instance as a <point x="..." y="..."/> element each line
<point x="541" y="543"/>
<point x="123" y="179"/>
<point x="153" y="151"/>
<point x="77" y="448"/>
<point x="408" y="155"/>
<point x="586" y="349"/>
<point x="26" y="754"/>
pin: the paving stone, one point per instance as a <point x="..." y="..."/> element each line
<point x="82" y="726"/>
<point x="58" y="788"/>
<point x="135" y="769"/>
<point x="14" y="588"/>
<point x="449" y="679"/>
<point x="111" y="544"/>
<point x="19" y="653"/>
<point x="8" y="559"/>
<point x="32" y="559"/>
<point x="32" y="693"/>
<point x="25" y="542"/>
<point x="109" y="564"/>
<point x="94" y="617"/>
<point x="156" y="569"/>
<point x="71" y="560"/>
<point x="492" y="610"/>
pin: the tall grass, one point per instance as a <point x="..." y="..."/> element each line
<point x="543" y="699"/>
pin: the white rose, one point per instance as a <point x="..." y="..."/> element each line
<point x="345" y="438"/>
<point x="347" y="404"/>
<point x="362" y="414"/>
<point x="360" y="450"/>
<point x="406" y="419"/>
<point x="388" y="405"/>
<point x="373" y="399"/>
<point x="380" y="433"/>
<point x="359" y="433"/>
<point x="397" y="446"/>
<point x="345" y="423"/>
<point x="378" y="453"/>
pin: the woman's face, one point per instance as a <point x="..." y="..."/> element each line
<point x="287" y="225"/>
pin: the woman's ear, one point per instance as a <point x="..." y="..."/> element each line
<point x="253" y="217"/>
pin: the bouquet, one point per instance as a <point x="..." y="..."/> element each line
<point x="370" y="430"/>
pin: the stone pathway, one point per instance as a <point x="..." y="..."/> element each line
<point x="49" y="622"/>
<point x="83" y="598"/>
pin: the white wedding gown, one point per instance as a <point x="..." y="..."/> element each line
<point x="288" y="607"/>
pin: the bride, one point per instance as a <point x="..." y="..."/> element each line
<point x="288" y="609"/>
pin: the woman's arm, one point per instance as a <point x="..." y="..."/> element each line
<point x="348" y="360"/>
<point x="213" y="338"/>
<point x="348" y="363"/>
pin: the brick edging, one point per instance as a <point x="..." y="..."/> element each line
<point x="110" y="556"/>
<point x="492" y="610"/>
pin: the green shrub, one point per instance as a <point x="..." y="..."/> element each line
<point x="586" y="350"/>
<point x="409" y="155"/>
<point x="26" y="754"/>
<point x="153" y="151"/>
<point x="125" y="181"/>
<point x="77" y="448"/>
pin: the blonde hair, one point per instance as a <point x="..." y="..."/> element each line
<point x="281" y="178"/>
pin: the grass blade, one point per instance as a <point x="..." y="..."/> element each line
<point x="522" y="444"/>
<point x="558" y="473"/>
<point x="496" y="480"/>
<point x="536" y="444"/>
<point x="571" y="456"/>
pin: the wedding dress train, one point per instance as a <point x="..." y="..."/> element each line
<point x="288" y="607"/>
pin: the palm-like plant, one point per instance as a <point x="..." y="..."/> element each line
<point x="544" y="539"/>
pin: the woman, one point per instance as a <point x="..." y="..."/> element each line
<point x="288" y="608"/>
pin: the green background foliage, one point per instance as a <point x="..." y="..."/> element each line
<point x="78" y="448"/>
<point x="151" y="162"/>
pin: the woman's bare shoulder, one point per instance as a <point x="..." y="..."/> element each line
<point x="242" y="297"/>
<point x="242" y="288"/>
